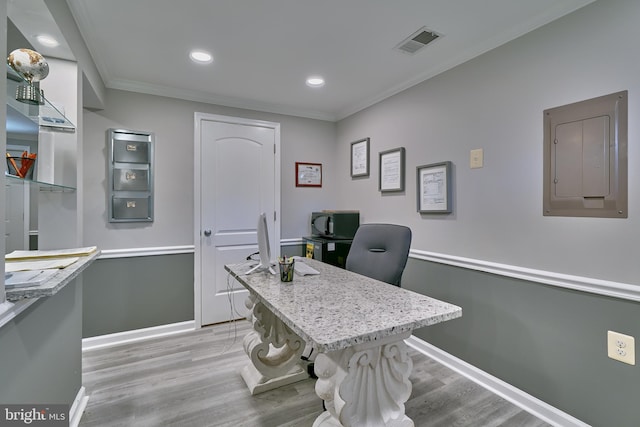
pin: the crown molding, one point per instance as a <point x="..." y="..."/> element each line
<point x="225" y="101"/>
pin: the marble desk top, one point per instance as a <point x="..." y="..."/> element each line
<point x="338" y="308"/>
<point x="57" y="282"/>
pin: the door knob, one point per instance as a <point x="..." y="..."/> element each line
<point x="207" y="233"/>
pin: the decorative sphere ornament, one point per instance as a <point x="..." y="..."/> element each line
<point x="29" y="64"/>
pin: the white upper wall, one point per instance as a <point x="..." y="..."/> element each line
<point x="172" y="122"/>
<point x="495" y="102"/>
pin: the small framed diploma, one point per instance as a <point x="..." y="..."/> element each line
<point x="308" y="174"/>
<point x="391" y="166"/>
<point x="434" y="188"/>
<point x="360" y="158"/>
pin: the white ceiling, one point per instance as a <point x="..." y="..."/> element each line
<point x="264" y="50"/>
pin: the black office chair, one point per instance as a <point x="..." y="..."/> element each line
<point x="380" y="251"/>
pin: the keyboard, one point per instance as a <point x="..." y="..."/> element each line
<point x="303" y="269"/>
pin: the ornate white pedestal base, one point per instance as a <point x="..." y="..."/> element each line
<point x="326" y="420"/>
<point x="274" y="350"/>
<point x="365" y="385"/>
<point x="258" y="383"/>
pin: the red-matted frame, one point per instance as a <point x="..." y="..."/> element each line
<point x="308" y="174"/>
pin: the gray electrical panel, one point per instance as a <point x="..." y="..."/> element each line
<point x="585" y="158"/>
<point x="130" y="196"/>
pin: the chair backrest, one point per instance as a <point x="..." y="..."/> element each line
<point x="380" y="251"/>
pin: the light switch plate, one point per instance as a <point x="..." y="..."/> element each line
<point x="476" y="159"/>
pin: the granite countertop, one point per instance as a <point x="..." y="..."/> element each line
<point x="338" y="308"/>
<point x="57" y="282"/>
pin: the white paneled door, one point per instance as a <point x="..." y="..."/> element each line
<point x="237" y="176"/>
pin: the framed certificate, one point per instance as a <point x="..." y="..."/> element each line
<point x="391" y="167"/>
<point x="308" y="174"/>
<point x="360" y="158"/>
<point x="434" y="188"/>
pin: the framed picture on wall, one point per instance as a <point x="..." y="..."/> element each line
<point x="308" y="174"/>
<point x="391" y="167"/>
<point x="360" y="158"/>
<point x="434" y="188"/>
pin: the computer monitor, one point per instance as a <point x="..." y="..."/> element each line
<point x="263" y="246"/>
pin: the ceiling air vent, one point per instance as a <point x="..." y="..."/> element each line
<point x="417" y="41"/>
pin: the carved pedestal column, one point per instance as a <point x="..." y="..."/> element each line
<point x="365" y="385"/>
<point x="274" y="350"/>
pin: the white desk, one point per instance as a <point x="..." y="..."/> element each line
<point x="357" y="324"/>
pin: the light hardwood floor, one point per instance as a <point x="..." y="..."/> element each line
<point x="192" y="379"/>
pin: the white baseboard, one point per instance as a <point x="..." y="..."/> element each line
<point x="78" y="407"/>
<point x="109" y="340"/>
<point x="529" y="403"/>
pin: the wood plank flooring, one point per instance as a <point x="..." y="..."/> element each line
<point x="192" y="379"/>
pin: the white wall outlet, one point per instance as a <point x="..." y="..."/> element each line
<point x="476" y="158"/>
<point x="621" y="347"/>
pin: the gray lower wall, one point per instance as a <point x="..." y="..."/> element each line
<point x="547" y="341"/>
<point x="292" y="250"/>
<point x="123" y="294"/>
<point x="41" y="351"/>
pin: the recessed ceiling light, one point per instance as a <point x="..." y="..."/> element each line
<point x="315" y="81"/>
<point x="46" y="40"/>
<point x="201" y="57"/>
